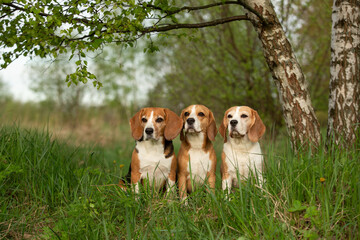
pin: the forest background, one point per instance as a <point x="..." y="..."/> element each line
<point x="219" y="67"/>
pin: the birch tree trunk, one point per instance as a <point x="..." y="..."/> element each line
<point x="302" y="124"/>
<point x="344" y="116"/>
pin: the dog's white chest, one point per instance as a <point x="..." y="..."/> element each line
<point x="242" y="157"/>
<point x="199" y="164"/>
<point x="153" y="164"/>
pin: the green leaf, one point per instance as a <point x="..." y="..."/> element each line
<point x="174" y="19"/>
<point x="297" y="206"/>
<point x="311" y="212"/>
<point x="96" y="43"/>
<point x="309" y="234"/>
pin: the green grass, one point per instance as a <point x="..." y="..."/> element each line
<point x="51" y="190"/>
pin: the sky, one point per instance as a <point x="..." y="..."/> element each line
<point x="17" y="78"/>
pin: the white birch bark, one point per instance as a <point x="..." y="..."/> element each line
<point x="302" y="124"/>
<point x="344" y="116"/>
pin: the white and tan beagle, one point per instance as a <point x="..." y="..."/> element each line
<point x="241" y="153"/>
<point x="153" y="157"/>
<point x="197" y="158"/>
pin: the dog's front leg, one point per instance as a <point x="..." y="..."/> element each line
<point x="172" y="175"/>
<point x="182" y="187"/>
<point x="227" y="184"/>
<point x="135" y="180"/>
<point x="211" y="180"/>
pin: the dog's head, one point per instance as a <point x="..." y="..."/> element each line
<point x="241" y="121"/>
<point x="155" y="123"/>
<point x="197" y="119"/>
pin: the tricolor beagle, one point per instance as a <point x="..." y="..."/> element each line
<point x="197" y="159"/>
<point x="241" y="153"/>
<point x="153" y="157"/>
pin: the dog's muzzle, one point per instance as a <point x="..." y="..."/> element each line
<point x="235" y="134"/>
<point x="191" y="129"/>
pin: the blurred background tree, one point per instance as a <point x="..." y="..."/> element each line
<point x="116" y="68"/>
<point x="224" y="66"/>
<point x="114" y="103"/>
<point x="48" y="81"/>
<point x="5" y="96"/>
<point x="219" y="66"/>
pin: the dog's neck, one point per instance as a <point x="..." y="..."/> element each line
<point x="151" y="145"/>
<point x="196" y="140"/>
<point x="241" y="143"/>
<point x="160" y="146"/>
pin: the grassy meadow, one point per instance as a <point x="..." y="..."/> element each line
<point x="57" y="183"/>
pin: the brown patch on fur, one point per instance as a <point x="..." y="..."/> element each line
<point x="173" y="168"/>
<point x="223" y="167"/>
<point x="136" y="125"/>
<point x="135" y="168"/>
<point x="173" y="125"/>
<point x="211" y="129"/>
<point x="257" y="129"/>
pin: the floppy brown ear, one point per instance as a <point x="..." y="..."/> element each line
<point x="182" y="135"/>
<point x="257" y="129"/>
<point x="223" y="127"/>
<point x="211" y="130"/>
<point x="174" y="124"/>
<point x="135" y="125"/>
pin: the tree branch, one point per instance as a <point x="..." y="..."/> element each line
<point x="169" y="12"/>
<point x="250" y="9"/>
<point x="176" y="26"/>
<point x="189" y="8"/>
<point x="194" y="25"/>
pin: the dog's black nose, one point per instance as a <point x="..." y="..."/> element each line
<point x="149" y="131"/>
<point x="190" y="121"/>
<point x="233" y="123"/>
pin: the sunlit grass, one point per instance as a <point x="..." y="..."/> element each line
<point x="51" y="190"/>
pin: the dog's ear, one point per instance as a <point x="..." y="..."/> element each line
<point x="174" y="124"/>
<point x="135" y="125"/>
<point x="223" y="127"/>
<point x="211" y="130"/>
<point x="257" y="129"/>
<point x="182" y="135"/>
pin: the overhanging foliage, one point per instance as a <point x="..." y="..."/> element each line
<point x="48" y="27"/>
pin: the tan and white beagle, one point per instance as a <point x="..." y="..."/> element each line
<point x="241" y="152"/>
<point x="197" y="158"/>
<point x="153" y="157"/>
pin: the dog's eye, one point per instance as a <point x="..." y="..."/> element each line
<point x="159" y="120"/>
<point x="201" y="114"/>
<point x="244" y="116"/>
<point x="144" y="120"/>
<point x="186" y="114"/>
<point x="229" y="116"/>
